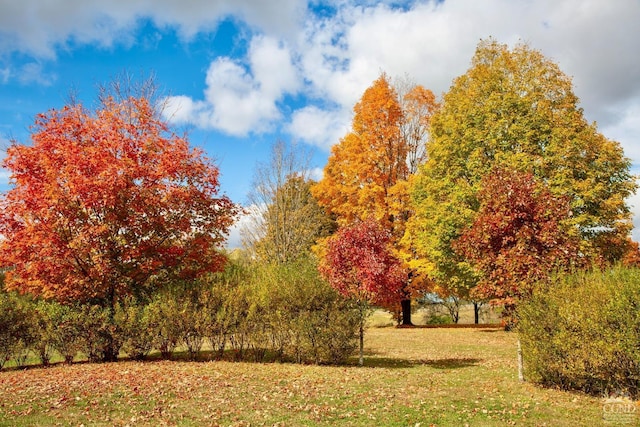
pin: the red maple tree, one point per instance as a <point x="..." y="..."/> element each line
<point x="108" y="203"/>
<point x="359" y="264"/>
<point x="518" y="238"/>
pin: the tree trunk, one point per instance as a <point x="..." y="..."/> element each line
<point x="476" y="312"/>
<point x="361" y="358"/>
<point x="406" y="311"/>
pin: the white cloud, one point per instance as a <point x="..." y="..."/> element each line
<point x="634" y="205"/>
<point x="338" y="55"/>
<point x="316" y="174"/>
<point x="240" y="98"/>
<point x="319" y="127"/>
<point x="593" y="41"/>
<point x="626" y="129"/>
<point x="4" y="173"/>
<point x="179" y="109"/>
<point x="342" y="55"/>
<point x="5" y="73"/>
<point x="249" y="222"/>
<point x="234" y="240"/>
<point x="40" y="27"/>
<point x="433" y="42"/>
<point x="272" y="67"/>
<point x="34" y="72"/>
<point x="25" y="74"/>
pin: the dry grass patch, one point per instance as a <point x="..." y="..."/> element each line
<point x="442" y="377"/>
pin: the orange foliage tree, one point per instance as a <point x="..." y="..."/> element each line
<point x="631" y="257"/>
<point x="367" y="172"/>
<point x="109" y="203"/>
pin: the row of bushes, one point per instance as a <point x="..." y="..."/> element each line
<point x="282" y="312"/>
<point x="583" y="332"/>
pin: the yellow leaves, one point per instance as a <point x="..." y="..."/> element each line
<point x="515" y="109"/>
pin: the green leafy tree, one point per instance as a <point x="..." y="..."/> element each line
<point x="514" y="109"/>
<point x="15" y="327"/>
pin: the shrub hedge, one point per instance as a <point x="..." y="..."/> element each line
<point x="16" y="335"/>
<point x="280" y="312"/>
<point x="583" y="332"/>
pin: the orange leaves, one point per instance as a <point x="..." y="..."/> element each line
<point x="419" y="105"/>
<point x="367" y="171"/>
<point x="368" y="160"/>
<point x="366" y="175"/>
<point x="106" y="200"/>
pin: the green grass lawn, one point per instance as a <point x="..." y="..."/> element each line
<point x="411" y="377"/>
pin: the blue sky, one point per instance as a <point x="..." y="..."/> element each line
<point x="241" y="74"/>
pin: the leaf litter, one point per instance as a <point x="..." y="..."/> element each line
<point x="423" y="376"/>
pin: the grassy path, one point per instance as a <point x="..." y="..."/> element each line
<point x="412" y="377"/>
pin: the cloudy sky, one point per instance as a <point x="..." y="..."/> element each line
<point x="241" y="74"/>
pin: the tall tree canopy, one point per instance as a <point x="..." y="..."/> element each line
<point x="363" y="168"/>
<point x="514" y="109"/>
<point x="108" y="203"/>
<point x="367" y="172"/>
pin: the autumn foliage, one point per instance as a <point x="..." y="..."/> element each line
<point x="519" y="236"/>
<point x="514" y="109"/>
<point x="368" y="171"/>
<point x="359" y="264"/>
<point x="368" y="161"/>
<point x="109" y="203"/>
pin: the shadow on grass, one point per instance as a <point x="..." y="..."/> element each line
<point x="394" y="363"/>
<point x="458" y="363"/>
<point x="372" y="359"/>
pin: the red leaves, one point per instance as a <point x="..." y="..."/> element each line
<point x="108" y="200"/>
<point x="359" y="264"/>
<point x="518" y="237"/>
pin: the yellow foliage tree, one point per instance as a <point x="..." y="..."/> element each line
<point x="514" y="109"/>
